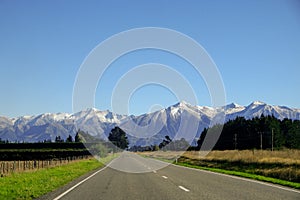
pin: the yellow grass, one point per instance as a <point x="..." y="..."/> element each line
<point x="288" y="157"/>
<point x="283" y="164"/>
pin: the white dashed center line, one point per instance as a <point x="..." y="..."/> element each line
<point x="183" y="188"/>
<point x="164" y="177"/>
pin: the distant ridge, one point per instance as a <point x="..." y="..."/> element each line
<point x="99" y="123"/>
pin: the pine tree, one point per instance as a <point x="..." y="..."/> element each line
<point x="58" y="139"/>
<point x="165" y="142"/>
<point x="69" y="139"/>
<point x="118" y="137"/>
<point x="77" y="136"/>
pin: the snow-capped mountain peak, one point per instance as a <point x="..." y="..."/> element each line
<point x="257" y="103"/>
<point x="181" y="104"/>
<point x="96" y="122"/>
<point x="232" y="105"/>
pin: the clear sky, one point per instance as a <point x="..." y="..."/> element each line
<point x="255" y="45"/>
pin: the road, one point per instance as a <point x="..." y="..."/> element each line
<point x="171" y="182"/>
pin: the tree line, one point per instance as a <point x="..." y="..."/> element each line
<point x="77" y="138"/>
<point x="265" y="132"/>
<point x="58" y="139"/>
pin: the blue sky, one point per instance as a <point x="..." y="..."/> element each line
<point x="255" y="45"/>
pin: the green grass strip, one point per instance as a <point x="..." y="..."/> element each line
<point x="30" y="185"/>
<point x="245" y="175"/>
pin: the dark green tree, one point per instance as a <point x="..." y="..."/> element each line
<point x="268" y="131"/>
<point x="294" y="135"/>
<point x="201" y="139"/>
<point x="165" y="142"/>
<point x="77" y="136"/>
<point x="69" y="139"/>
<point x="118" y="137"/>
<point x="58" y="139"/>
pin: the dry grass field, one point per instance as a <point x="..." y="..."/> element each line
<point x="283" y="164"/>
<point x="284" y="156"/>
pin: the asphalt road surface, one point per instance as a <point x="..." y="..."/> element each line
<point x="171" y="182"/>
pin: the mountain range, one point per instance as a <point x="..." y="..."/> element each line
<point x="181" y="120"/>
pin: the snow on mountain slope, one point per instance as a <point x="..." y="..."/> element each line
<point x="177" y="121"/>
<point x="233" y="108"/>
<point x="257" y="108"/>
<point x="5" y="122"/>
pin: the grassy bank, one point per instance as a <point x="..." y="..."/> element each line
<point x="280" y="167"/>
<point x="245" y="175"/>
<point x="30" y="185"/>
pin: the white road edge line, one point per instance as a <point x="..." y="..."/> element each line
<point x="243" y="179"/>
<point x="164" y="177"/>
<point x="183" y="188"/>
<point x="72" y="188"/>
<point x="236" y="177"/>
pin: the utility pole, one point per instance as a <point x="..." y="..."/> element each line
<point x="261" y="144"/>
<point x="235" y="141"/>
<point x="272" y="139"/>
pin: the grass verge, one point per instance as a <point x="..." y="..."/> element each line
<point x="279" y="167"/>
<point x="245" y="175"/>
<point x="169" y="159"/>
<point x="30" y="185"/>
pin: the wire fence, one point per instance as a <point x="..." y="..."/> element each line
<point x="8" y="167"/>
